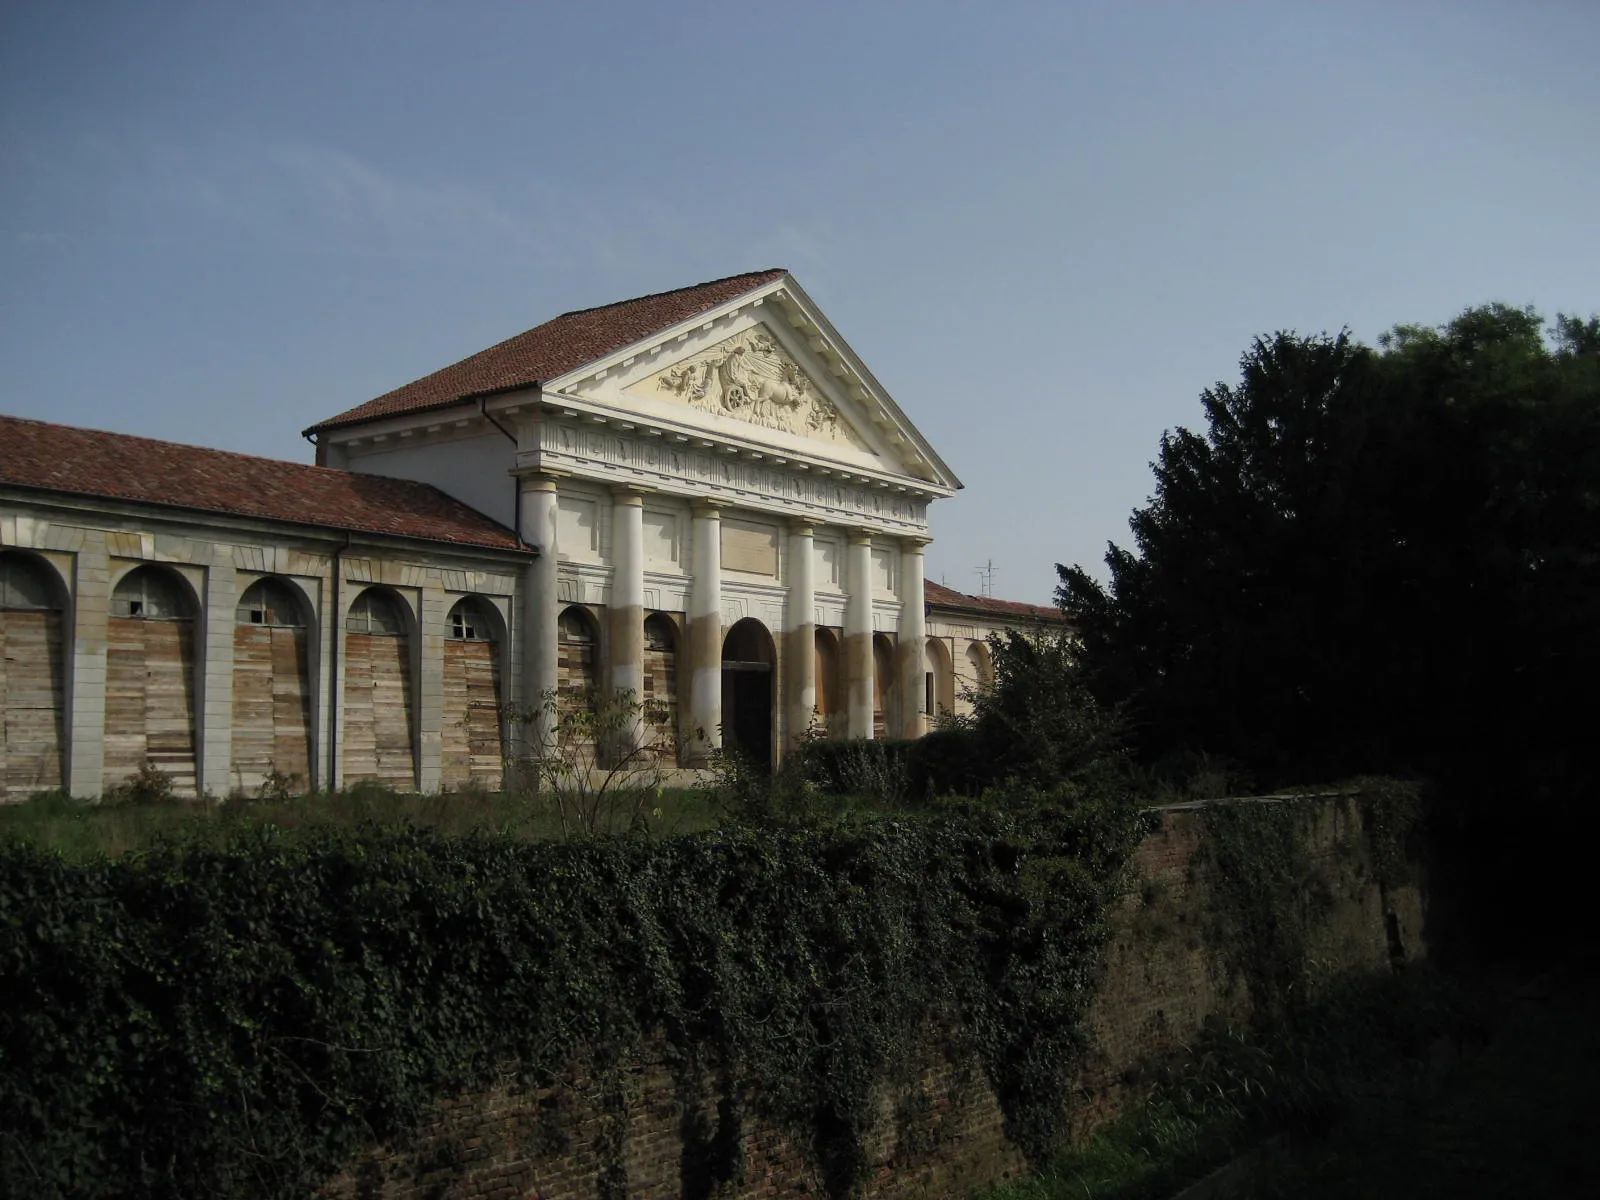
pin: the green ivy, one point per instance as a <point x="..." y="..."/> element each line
<point x="200" y="1020"/>
<point x="1267" y="894"/>
<point x="1263" y="898"/>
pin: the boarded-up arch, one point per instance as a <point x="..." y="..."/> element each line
<point x="150" y="677"/>
<point x="941" y="677"/>
<point x="271" y="687"/>
<point x="32" y="676"/>
<point x="473" y="751"/>
<point x="981" y="665"/>
<point x="830" y="704"/>
<point x="661" y="684"/>
<point x="578" y="675"/>
<point x="885" y="694"/>
<point x="379" y="714"/>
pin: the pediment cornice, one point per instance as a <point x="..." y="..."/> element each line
<point x="804" y="336"/>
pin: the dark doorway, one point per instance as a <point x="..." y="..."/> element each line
<point x="748" y="658"/>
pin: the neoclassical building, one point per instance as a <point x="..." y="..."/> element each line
<point x="702" y="497"/>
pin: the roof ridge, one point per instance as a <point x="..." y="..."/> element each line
<point x="576" y="312"/>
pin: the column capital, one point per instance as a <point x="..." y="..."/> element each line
<point x="861" y="537"/>
<point x="538" y="481"/>
<point x="803" y="526"/>
<point x="626" y="493"/>
<point x="706" y="508"/>
<point x="914" y="544"/>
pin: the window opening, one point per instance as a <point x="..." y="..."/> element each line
<point x="376" y="614"/>
<point x="23" y="585"/>
<point x="658" y="633"/>
<point x="267" y="602"/>
<point x="468" y="623"/>
<point x="149" y="595"/>
<point x="575" y="626"/>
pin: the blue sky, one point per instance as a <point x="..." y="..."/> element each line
<point x="1046" y="227"/>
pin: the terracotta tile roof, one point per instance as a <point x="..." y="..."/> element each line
<point x="89" y="462"/>
<point x="550" y="350"/>
<point x="943" y="597"/>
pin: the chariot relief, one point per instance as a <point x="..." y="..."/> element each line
<point x="749" y="377"/>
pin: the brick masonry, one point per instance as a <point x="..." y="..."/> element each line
<point x="645" y="1132"/>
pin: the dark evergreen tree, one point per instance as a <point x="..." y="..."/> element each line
<point x="1372" y="559"/>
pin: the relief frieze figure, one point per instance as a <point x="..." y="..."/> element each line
<point x="751" y="378"/>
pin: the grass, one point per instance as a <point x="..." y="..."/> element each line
<point x="80" y="829"/>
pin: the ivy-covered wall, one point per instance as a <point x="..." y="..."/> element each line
<point x="896" y="1008"/>
<point x="1327" y="873"/>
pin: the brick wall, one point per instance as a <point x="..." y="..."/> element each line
<point x="649" y="1132"/>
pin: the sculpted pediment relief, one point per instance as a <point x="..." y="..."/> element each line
<point x="751" y="377"/>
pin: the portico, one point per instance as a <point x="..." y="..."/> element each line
<point x="717" y="459"/>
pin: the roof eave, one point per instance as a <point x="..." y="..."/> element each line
<point x="253" y="520"/>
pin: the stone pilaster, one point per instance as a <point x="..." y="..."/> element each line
<point x="214" y="757"/>
<point x="911" y="650"/>
<point x="858" y="636"/>
<point x="91" y="606"/>
<point x="800" y="633"/>
<point x="627" y="602"/>
<point x="432" y="610"/>
<point x="705" y="632"/>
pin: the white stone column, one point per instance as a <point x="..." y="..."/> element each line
<point x="541" y="606"/>
<point x="215" y="710"/>
<point x="800" y="632"/>
<point x="913" y="642"/>
<point x="91" y="608"/>
<point x="627" y="603"/>
<point x="858" y="636"/>
<point x="705" y="632"/>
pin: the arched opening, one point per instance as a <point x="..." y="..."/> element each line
<point x="150" y="662"/>
<point x="473" y="751"/>
<point x="32" y="677"/>
<point x="661" y="685"/>
<point x="748" y="659"/>
<point x="379" y="719"/>
<point x="885" y="693"/>
<point x="271" y="687"/>
<point x="578" y="676"/>
<point x="980" y="665"/>
<point x="941" y="680"/>
<point x="830" y="705"/>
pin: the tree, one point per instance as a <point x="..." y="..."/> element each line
<point x="1372" y="559"/>
<point x="1037" y="724"/>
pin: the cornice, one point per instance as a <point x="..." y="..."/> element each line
<point x="559" y="407"/>
<point x="222" y="526"/>
<point x="703" y="469"/>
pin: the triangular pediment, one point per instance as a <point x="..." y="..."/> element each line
<point x="766" y="370"/>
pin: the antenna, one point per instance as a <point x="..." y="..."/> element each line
<point x="985" y="575"/>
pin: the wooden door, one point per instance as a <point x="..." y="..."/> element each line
<point x="271" y="705"/>
<point x="32" y="696"/>
<point x="150" y="699"/>
<point x="472" y="749"/>
<point x="379" y="729"/>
